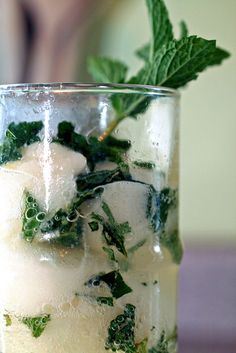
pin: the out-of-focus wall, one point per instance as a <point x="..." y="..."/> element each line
<point x="208" y="125"/>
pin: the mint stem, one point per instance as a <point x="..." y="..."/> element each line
<point x="120" y="117"/>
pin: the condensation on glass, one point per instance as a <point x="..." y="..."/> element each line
<point x="89" y="245"/>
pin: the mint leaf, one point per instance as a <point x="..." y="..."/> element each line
<point x="32" y="217"/>
<point x="142" y="346"/>
<point x="93" y="226"/>
<point x="68" y="222"/>
<point x="179" y="62"/>
<point x="91" y="147"/>
<point x="183" y="29"/>
<point x="8" y="320"/>
<point x="36" y="324"/>
<point x="121" y="331"/>
<point x="103" y="177"/>
<point x="218" y="56"/>
<point x="18" y="135"/>
<point x="105" y="301"/>
<point x="161" y="26"/>
<point x="158" y="206"/>
<point x="113" y="280"/>
<point x="106" y="70"/>
<point x="165" y="344"/>
<point x="144" y="52"/>
<point x="144" y="165"/>
<point x="110" y="253"/>
<point x="173" y="243"/>
<point x="134" y="248"/>
<point x="113" y="232"/>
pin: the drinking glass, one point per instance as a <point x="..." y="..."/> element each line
<point x="89" y="244"/>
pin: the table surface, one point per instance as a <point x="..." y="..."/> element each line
<point x="207" y="301"/>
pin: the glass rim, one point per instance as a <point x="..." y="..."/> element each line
<point x="78" y="87"/>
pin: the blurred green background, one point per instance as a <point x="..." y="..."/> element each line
<point x="56" y="51"/>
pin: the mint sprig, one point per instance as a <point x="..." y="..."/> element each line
<point x="168" y="62"/>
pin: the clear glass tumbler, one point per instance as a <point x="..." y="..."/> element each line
<point x="89" y="245"/>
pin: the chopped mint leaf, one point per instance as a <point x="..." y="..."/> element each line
<point x="144" y="165"/>
<point x="155" y="282"/>
<point x="102" y="177"/>
<point x="18" y="135"/>
<point x="32" y="217"/>
<point x="8" y="320"/>
<point x="106" y="70"/>
<point x="113" y="232"/>
<point x="113" y="280"/>
<point x="158" y="206"/>
<point x="165" y="344"/>
<point x="105" y="301"/>
<point x="144" y="284"/>
<point x="110" y="253"/>
<point x="93" y="226"/>
<point x="183" y="29"/>
<point x="68" y="222"/>
<point x="91" y="147"/>
<point x="173" y="243"/>
<point x="161" y="26"/>
<point x="121" y="332"/>
<point x="36" y="324"/>
<point x="134" y="248"/>
<point x="142" y="346"/>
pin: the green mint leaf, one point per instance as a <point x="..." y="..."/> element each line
<point x="94" y="150"/>
<point x="121" y="332"/>
<point x="103" y="177"/>
<point x="179" y="62"/>
<point x="161" y="26"/>
<point x="36" y="324"/>
<point x="183" y="30"/>
<point x="173" y="243"/>
<point x="165" y="344"/>
<point x="69" y="226"/>
<point x="158" y="205"/>
<point x="218" y="56"/>
<point x="113" y="280"/>
<point x="18" y="135"/>
<point x="106" y="70"/>
<point x="144" y="165"/>
<point x="68" y="222"/>
<point x="105" y="301"/>
<point x="32" y="217"/>
<point x="113" y="232"/>
<point x="110" y="253"/>
<point x="93" y="226"/>
<point x="134" y="248"/>
<point x="144" y="52"/>
<point x="8" y="320"/>
<point x="142" y="346"/>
